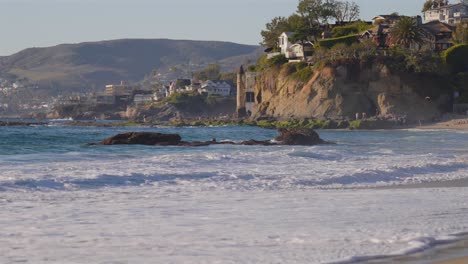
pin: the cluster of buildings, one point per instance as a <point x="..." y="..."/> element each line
<point x="447" y="13"/>
<point x="8" y="88"/>
<point x="440" y="22"/>
<point x="210" y="87"/>
<point x="125" y="94"/>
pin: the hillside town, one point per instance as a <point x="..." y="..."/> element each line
<point x="298" y="38"/>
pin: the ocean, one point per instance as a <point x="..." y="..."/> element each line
<point x="65" y="202"/>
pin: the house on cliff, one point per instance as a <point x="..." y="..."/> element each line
<point x="448" y="13"/>
<point x="437" y="35"/>
<point x="211" y="87"/>
<point x="293" y="51"/>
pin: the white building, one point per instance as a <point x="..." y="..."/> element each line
<point x="211" y="87"/>
<point x="293" y="51"/>
<point x="119" y="89"/>
<point x="141" y="99"/>
<point x="450" y="14"/>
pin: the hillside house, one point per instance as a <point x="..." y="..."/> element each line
<point x="211" y="87"/>
<point x="119" y="89"/>
<point x="437" y="34"/>
<point x="178" y="86"/>
<point x="448" y="13"/>
<point x="293" y="51"/>
<point x="142" y="99"/>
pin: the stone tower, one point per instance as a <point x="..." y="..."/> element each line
<point x="241" y="110"/>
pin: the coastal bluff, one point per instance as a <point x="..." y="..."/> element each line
<point x="293" y="136"/>
<point x="341" y="91"/>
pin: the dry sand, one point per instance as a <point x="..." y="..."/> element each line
<point x="457" y="122"/>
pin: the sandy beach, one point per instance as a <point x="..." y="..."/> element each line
<point x="457" y="122"/>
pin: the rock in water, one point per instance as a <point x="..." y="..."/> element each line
<point x="288" y="136"/>
<point x="298" y="136"/>
<point x="143" y="138"/>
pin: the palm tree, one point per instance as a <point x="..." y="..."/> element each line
<point x="406" y="32"/>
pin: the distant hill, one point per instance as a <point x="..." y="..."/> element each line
<point x="89" y="66"/>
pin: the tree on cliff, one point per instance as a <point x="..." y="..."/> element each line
<point x="307" y="21"/>
<point x="427" y="5"/>
<point x="460" y="34"/>
<point x="316" y="12"/>
<point x="211" y="72"/>
<point x="346" y="11"/>
<point x="273" y="30"/>
<point x="406" y="32"/>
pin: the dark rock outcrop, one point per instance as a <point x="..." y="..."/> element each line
<point x="143" y="138"/>
<point x="298" y="136"/>
<point x="294" y="136"/>
<point x="14" y="123"/>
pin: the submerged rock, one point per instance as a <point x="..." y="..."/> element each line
<point x="143" y="138"/>
<point x="294" y="136"/>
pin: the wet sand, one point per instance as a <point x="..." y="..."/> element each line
<point x="454" y="253"/>
<point x="454" y="261"/>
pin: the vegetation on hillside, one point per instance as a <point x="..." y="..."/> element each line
<point x="213" y="72"/>
<point x="350" y="29"/>
<point x="406" y="33"/>
<point x="460" y="34"/>
<point x="306" y="23"/>
<point x="456" y="58"/>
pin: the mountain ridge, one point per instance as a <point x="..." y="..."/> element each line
<point x="89" y="65"/>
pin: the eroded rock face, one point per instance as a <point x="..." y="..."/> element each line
<point x="343" y="91"/>
<point x="143" y="138"/>
<point x="293" y="136"/>
<point x="298" y="136"/>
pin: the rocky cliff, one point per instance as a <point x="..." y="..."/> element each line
<point x="339" y="92"/>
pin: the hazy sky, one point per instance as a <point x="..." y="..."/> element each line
<point x="40" y="23"/>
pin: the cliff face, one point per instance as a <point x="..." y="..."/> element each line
<point x="342" y="91"/>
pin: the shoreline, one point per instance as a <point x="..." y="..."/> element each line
<point x="449" y="122"/>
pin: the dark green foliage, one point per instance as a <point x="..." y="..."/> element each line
<point x="460" y="34"/>
<point x="211" y="72"/>
<point x="273" y="30"/>
<point x="424" y="61"/>
<point x="303" y="74"/>
<point x="427" y="5"/>
<point x="300" y="65"/>
<point x="251" y="68"/>
<point x="265" y="63"/>
<point x="348" y="40"/>
<point x="456" y="58"/>
<point x="406" y="32"/>
<point x="212" y="99"/>
<point x="181" y="98"/>
<point x="354" y="28"/>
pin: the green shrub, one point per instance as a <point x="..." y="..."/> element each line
<point x="303" y="75"/>
<point x="354" y="28"/>
<point x="179" y="98"/>
<point x="300" y="65"/>
<point x="328" y="43"/>
<point x="456" y="58"/>
<point x="265" y="63"/>
<point x="266" y="124"/>
<point x="211" y="99"/>
<point x="278" y="60"/>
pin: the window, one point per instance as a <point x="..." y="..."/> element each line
<point x="249" y="97"/>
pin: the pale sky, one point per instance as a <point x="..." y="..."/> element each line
<point x="41" y="23"/>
